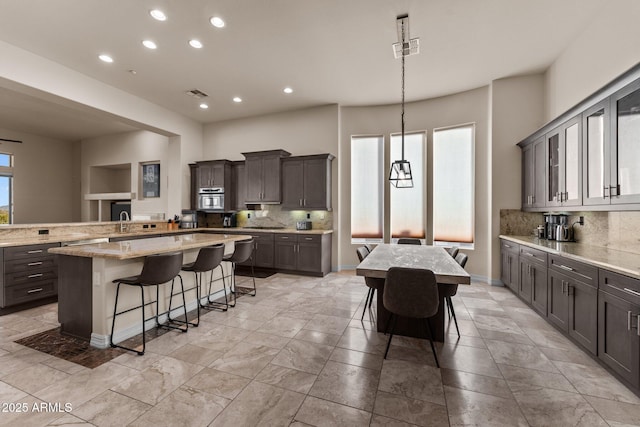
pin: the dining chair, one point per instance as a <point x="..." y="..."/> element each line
<point x="371" y="283"/>
<point x="448" y="291"/>
<point x="369" y="247"/>
<point x="411" y="292"/>
<point x="409" y="241"/>
<point x="453" y="251"/>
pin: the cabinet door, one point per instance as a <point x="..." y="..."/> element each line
<point x="583" y="314"/>
<point x="264" y="253"/>
<point x="625" y="150"/>
<point x="539" y="173"/>
<point x="271" y="179"/>
<point x="526" y="284"/>
<point x="595" y="155"/>
<point x="539" y="288"/>
<point x="504" y="269"/>
<point x="571" y="164"/>
<point x="553" y="168"/>
<point x="310" y="254"/>
<point x="293" y="184"/>
<point x="205" y="176"/>
<point x="285" y="252"/>
<point x="558" y="299"/>
<point x="618" y="340"/>
<point x="239" y="186"/>
<point x="316" y="184"/>
<point x="528" y="177"/>
<point x="217" y="175"/>
<point x="253" y="177"/>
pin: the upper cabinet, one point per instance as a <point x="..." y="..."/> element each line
<point x="591" y="153"/>
<point x="306" y="182"/>
<point x="262" y="175"/>
<point x="239" y="186"/>
<point x="213" y="173"/>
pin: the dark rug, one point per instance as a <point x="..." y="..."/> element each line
<point x="260" y="274"/>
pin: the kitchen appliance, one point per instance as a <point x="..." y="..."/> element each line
<point x="303" y="225"/>
<point x="551" y="221"/>
<point x="211" y="199"/>
<point x="230" y="220"/>
<point x="189" y="219"/>
<point x="564" y="233"/>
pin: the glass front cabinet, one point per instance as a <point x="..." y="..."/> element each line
<point x="564" y="165"/>
<point x="625" y="147"/>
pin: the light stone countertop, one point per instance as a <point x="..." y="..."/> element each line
<point x="626" y="263"/>
<point x="250" y="230"/>
<point x="129" y="249"/>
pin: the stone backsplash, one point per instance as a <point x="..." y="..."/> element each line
<point x="275" y="216"/>
<point x="614" y="230"/>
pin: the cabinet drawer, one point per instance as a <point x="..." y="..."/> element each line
<point x="30" y="291"/>
<point x="509" y="246"/>
<point x="30" y="251"/>
<point x="577" y="270"/>
<point x="286" y="237"/>
<point x="20" y="277"/>
<point x="309" y="238"/>
<point x="624" y="287"/>
<point x="535" y="255"/>
<point x="263" y="237"/>
<point x="31" y="264"/>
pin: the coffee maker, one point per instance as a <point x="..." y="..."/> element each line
<point x="551" y="222"/>
<point x="229" y="219"/>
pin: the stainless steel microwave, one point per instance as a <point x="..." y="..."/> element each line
<point x="211" y="199"/>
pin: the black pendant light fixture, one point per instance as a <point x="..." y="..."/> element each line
<point x="400" y="173"/>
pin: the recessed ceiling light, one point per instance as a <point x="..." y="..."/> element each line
<point x="149" y="44"/>
<point x="133" y="72"/>
<point x="217" y="22"/>
<point x="195" y="43"/>
<point x="287" y="90"/>
<point x="105" y="58"/>
<point x="237" y="99"/>
<point x="204" y="106"/>
<point x="158" y="15"/>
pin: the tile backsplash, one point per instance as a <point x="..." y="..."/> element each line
<point x="275" y="216"/>
<point x="615" y="230"/>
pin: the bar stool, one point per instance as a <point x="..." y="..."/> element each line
<point x="156" y="270"/>
<point x="243" y="250"/>
<point x="409" y="241"/>
<point x="208" y="259"/>
<point x="447" y="291"/>
<point x="411" y="292"/>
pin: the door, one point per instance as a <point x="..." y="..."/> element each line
<point x="595" y="159"/>
<point x="583" y="314"/>
<point x="625" y="150"/>
<point x="239" y="186"/>
<point x="271" y="178"/>
<point x="553" y="168"/>
<point x="539" y="173"/>
<point x="558" y="299"/>
<point x="293" y="184"/>
<point x="618" y="340"/>
<point x="205" y="175"/>
<point x="264" y="251"/>
<point x="529" y="183"/>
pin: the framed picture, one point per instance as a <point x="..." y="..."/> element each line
<point x="150" y="180"/>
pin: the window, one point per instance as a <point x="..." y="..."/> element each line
<point x="6" y="184"/>
<point x="453" y="195"/>
<point x="407" y="204"/>
<point x="367" y="189"/>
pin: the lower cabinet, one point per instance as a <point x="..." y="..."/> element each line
<point x="304" y="253"/>
<point x="509" y="266"/>
<point x="262" y="251"/>
<point x="619" y="325"/>
<point x="533" y="278"/>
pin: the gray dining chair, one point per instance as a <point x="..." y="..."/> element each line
<point x="453" y="251"/>
<point x="413" y="293"/>
<point x="448" y="291"/>
<point x="409" y="241"/>
<point x="371" y="282"/>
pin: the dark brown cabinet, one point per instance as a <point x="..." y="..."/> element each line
<point x="509" y="265"/>
<point x="308" y="253"/>
<point x="564" y="165"/>
<point x="533" y="170"/>
<point x="306" y="182"/>
<point x="238" y="186"/>
<point x="533" y="278"/>
<point x="30" y="274"/>
<point x="214" y="173"/>
<point x="595" y="159"/>
<point x="573" y="300"/>
<point x="263" y="255"/>
<point x="262" y="176"/>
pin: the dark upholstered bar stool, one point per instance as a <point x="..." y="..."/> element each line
<point x="447" y="291"/>
<point x="156" y="270"/>
<point x="453" y="251"/>
<point x="243" y="251"/>
<point x="411" y="292"/>
<point x="409" y="241"/>
<point x="371" y="282"/>
<point x="208" y="259"/>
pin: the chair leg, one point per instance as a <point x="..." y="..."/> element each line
<point x="433" y="348"/>
<point x="392" y="319"/>
<point x="373" y="292"/>
<point x="447" y="305"/>
<point x="453" y="313"/>
<point x="365" y="303"/>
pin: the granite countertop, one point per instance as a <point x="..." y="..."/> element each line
<point x="142" y="247"/>
<point x="626" y="263"/>
<point x="269" y="230"/>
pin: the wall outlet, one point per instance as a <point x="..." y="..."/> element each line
<point x="581" y="220"/>
<point x="145" y="226"/>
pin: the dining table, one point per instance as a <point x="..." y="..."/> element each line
<point x="435" y="258"/>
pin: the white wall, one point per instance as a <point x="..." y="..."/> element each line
<point x="128" y="148"/>
<point x="46" y="182"/>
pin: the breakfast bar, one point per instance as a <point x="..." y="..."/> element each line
<point x="86" y="293"/>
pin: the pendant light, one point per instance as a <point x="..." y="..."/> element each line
<point x="400" y="173"/>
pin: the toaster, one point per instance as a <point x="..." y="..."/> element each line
<point x="303" y="225"/>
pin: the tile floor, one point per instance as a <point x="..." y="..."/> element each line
<point x="298" y="354"/>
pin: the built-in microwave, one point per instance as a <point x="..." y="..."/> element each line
<point x="211" y="199"/>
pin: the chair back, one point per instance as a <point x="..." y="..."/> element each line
<point x="362" y="253"/>
<point x="411" y="292"/>
<point x="242" y="251"/>
<point x="369" y="247"/>
<point x="160" y="268"/>
<point x="209" y="258"/>
<point x="462" y="259"/>
<point x="409" y="241"/>
<point x="453" y="251"/>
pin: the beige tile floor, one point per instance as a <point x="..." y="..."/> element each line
<point x="298" y="354"/>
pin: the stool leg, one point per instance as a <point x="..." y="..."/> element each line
<point x="115" y="310"/>
<point x="184" y="304"/>
<point x="232" y="287"/>
<point x="144" y="338"/>
<point x="373" y="292"/>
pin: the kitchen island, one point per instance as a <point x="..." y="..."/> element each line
<point x="86" y="293"/>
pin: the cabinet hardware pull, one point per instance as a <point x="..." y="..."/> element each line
<point x="564" y="267"/>
<point x="604" y="192"/>
<point x="631" y="291"/>
<point x="33" y="276"/>
<point x="507" y="246"/>
<point x="33" y="291"/>
<point x="308" y="238"/>
<point x="628" y="320"/>
<point x="33" y="264"/>
<point x="39" y="251"/>
<point x="529" y="254"/>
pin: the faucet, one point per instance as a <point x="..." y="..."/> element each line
<point x="124" y="216"/>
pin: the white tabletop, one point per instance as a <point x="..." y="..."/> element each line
<point x="434" y="258"/>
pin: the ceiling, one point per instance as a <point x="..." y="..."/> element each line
<point x="329" y="51"/>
